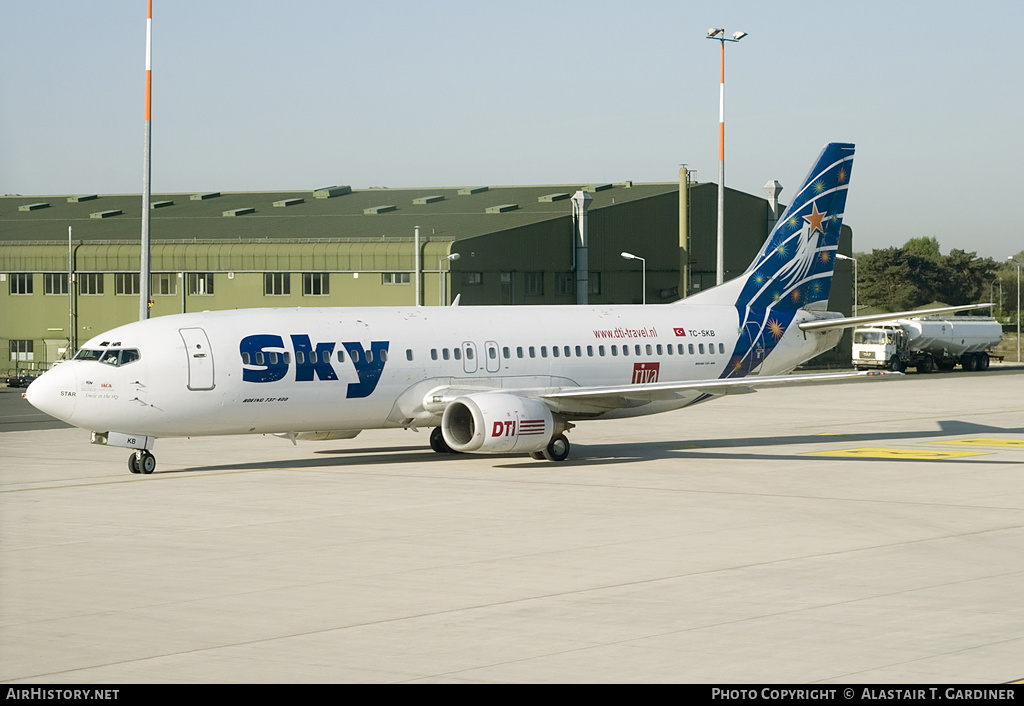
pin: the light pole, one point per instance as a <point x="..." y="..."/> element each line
<point x="440" y="273"/>
<point x="1017" y="263"/>
<point x="719" y="34"/>
<point x="847" y="257"/>
<point x="643" y="270"/>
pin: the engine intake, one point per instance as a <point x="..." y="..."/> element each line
<point x="496" y="422"/>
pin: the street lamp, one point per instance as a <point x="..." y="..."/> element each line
<point x="440" y="274"/>
<point x="643" y="269"/>
<point x="847" y="257"/>
<point x="719" y="34"/>
<point x="1017" y="263"/>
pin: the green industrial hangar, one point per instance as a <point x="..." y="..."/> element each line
<point x="71" y="263"/>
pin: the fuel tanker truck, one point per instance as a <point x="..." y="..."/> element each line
<point x="927" y="343"/>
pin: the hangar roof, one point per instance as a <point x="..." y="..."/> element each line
<point x="332" y="213"/>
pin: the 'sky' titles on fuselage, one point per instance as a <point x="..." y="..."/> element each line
<point x="265" y="361"/>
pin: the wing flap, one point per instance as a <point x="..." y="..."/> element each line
<point x="617" y="397"/>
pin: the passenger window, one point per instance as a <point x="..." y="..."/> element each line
<point x="721" y="348"/>
<point x="615" y="351"/>
<point x="543" y="351"/>
<point x="469" y="354"/>
<point x="433" y="354"/>
<point x="554" y="351"/>
<point x="507" y="352"/>
<point x="492" y="353"/>
<point x="625" y="350"/>
<point x="600" y="351"/>
<point x="590" y="351"/>
<point x="700" y="347"/>
<point x="341" y="356"/>
<point x="579" y="352"/>
<point x="300" y="357"/>
<point x="659" y="349"/>
<point x="457" y="353"/>
<point x="637" y="349"/>
<point x="445" y="353"/>
<point x="408" y="353"/>
<point x="691" y="349"/>
<point x="519" y="351"/>
<point x="649" y="349"/>
<point x="245" y="359"/>
<point x="533" y="353"/>
<point x="259" y="358"/>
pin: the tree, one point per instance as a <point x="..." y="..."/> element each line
<point x="916" y="274"/>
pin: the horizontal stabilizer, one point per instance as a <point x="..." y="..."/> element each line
<point x="851" y="321"/>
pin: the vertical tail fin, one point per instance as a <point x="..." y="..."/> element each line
<point x="794" y="268"/>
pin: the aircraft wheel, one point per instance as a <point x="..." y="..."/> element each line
<point x="557" y="449"/>
<point x="437" y="442"/>
<point x="142" y="462"/>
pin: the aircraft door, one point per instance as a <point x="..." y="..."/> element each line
<point x="492" y="357"/>
<point x="200" y="358"/>
<point x="469" y="363"/>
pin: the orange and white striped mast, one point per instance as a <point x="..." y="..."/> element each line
<point x="719" y="34"/>
<point x="146" y="173"/>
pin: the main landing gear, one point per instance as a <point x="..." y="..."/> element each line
<point x="557" y="450"/>
<point x="142" y="462"/>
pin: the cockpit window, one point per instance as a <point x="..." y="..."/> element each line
<point x="110" y="356"/>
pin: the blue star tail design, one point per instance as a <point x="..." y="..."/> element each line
<point x="794" y="268"/>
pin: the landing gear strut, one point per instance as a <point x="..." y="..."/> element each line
<point x="142" y="462"/>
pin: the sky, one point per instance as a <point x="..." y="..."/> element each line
<point x="275" y="96"/>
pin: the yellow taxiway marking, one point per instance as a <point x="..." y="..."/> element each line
<point x="915" y="454"/>
<point x="1011" y="443"/>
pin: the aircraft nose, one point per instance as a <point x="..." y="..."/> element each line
<point x="54" y="392"/>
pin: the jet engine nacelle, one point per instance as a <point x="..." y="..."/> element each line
<point x="497" y="422"/>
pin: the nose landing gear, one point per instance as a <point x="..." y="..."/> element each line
<point x="142" y="462"/>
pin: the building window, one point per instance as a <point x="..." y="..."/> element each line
<point x="474" y="278"/>
<point x="277" y="284"/>
<point x="200" y="284"/>
<point x="565" y="283"/>
<point x="534" y="284"/>
<point x="594" y="283"/>
<point x="395" y="278"/>
<point x="165" y="283"/>
<point x="90" y="283"/>
<point x="126" y="283"/>
<point x="316" y="284"/>
<point x="55" y="283"/>
<point x="21" y="351"/>
<point x="21" y="283"/>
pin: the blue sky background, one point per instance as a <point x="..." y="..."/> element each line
<point x="263" y="95"/>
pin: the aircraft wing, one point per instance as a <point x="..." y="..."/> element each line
<point x="851" y="321"/>
<point x="624" y="396"/>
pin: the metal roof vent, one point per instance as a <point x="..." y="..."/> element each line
<point x="285" y="203"/>
<point x="77" y="199"/>
<point x="329" y="192"/>
<point x="551" y="198"/>
<point x="594" y="188"/>
<point x="204" y="197"/>
<point x="424" y="200"/>
<point x="470" y="190"/>
<point x="33" y="206"/>
<point x="160" y="204"/>
<point x="238" y="212"/>
<point x="106" y="214"/>
<point x="504" y="208"/>
<point x="374" y="210"/>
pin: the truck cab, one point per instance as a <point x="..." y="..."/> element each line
<point x="884" y="347"/>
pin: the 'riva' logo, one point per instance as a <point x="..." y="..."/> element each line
<point x="645" y="372"/>
<point x="266" y="359"/>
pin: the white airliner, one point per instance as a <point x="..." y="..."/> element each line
<point x="486" y="379"/>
